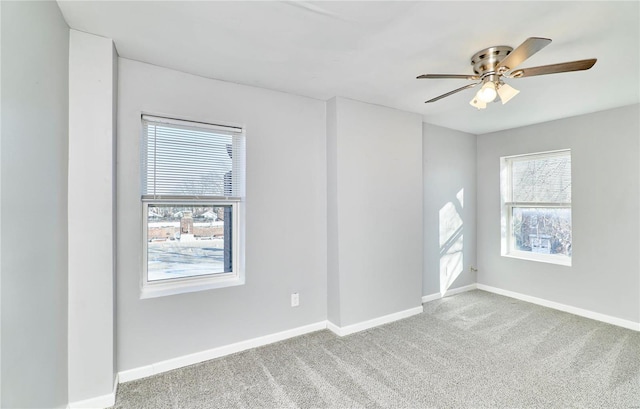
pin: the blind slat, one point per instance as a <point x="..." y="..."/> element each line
<point x="541" y="178"/>
<point x="183" y="159"/>
<point x="179" y="123"/>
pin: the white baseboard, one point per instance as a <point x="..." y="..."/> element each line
<point x="431" y="297"/>
<point x="562" y="307"/>
<point x="175" y="363"/>
<point x="186" y="360"/>
<point x="361" y="326"/>
<point x="451" y="291"/>
<point x="99" y="402"/>
<point x="459" y="290"/>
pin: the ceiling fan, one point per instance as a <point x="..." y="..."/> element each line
<point x="492" y="65"/>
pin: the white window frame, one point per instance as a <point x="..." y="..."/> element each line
<point x="508" y="248"/>
<point x="159" y="288"/>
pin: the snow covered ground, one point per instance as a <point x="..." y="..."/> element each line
<point x="177" y="224"/>
<point x="173" y="259"/>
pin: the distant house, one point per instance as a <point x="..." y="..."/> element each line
<point x="210" y="216"/>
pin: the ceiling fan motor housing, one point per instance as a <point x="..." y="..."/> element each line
<point x="485" y="61"/>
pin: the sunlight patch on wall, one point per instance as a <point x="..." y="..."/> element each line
<point x="451" y="242"/>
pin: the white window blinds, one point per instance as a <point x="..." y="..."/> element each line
<point x="541" y="178"/>
<point x="191" y="159"/>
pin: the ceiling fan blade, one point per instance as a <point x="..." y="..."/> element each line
<point x="448" y="76"/>
<point x="451" y="92"/>
<point x="579" y="65"/>
<point x="525" y="50"/>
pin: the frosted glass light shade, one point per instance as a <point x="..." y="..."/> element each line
<point x="477" y="103"/>
<point x="488" y="92"/>
<point x="506" y="92"/>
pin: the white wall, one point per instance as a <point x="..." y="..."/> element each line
<point x="604" y="276"/>
<point x="33" y="167"/>
<point x="333" y="239"/>
<point x="375" y="199"/>
<point x="0" y="204"/>
<point x="92" y="100"/>
<point x="285" y="217"/>
<point x="449" y="166"/>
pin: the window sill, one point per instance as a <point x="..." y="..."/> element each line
<point x="560" y="260"/>
<point x="174" y="286"/>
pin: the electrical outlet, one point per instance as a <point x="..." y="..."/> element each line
<point x="295" y="299"/>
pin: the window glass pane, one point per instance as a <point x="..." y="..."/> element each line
<point x="542" y="230"/>
<point x="187" y="241"/>
<point x="540" y="180"/>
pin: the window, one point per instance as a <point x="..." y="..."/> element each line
<point x="536" y="211"/>
<point x="192" y="204"/>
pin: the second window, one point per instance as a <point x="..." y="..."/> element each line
<point x="536" y="213"/>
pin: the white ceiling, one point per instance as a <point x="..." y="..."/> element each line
<point x="372" y="51"/>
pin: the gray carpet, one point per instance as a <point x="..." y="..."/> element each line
<point x="471" y="350"/>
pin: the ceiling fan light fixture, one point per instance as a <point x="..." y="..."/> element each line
<point x="506" y="92"/>
<point x="477" y="103"/>
<point x="492" y="64"/>
<point x="488" y="92"/>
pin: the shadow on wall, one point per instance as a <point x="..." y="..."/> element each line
<point x="451" y="242"/>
